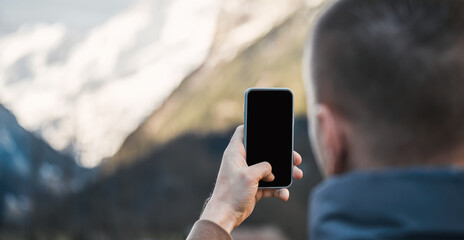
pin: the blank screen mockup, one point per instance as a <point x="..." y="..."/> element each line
<point x="269" y="133"/>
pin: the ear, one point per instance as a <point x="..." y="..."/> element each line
<point x="331" y="139"/>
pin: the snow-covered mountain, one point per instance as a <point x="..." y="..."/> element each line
<point x="85" y="87"/>
<point x="84" y="75"/>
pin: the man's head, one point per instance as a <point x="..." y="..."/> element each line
<point x="386" y="83"/>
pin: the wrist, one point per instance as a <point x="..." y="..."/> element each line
<point x="220" y="213"/>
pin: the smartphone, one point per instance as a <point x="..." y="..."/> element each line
<point x="268" y="137"/>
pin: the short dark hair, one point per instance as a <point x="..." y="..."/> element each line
<point x="395" y="69"/>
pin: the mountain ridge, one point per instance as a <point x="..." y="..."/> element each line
<point x="185" y="109"/>
<point x="33" y="176"/>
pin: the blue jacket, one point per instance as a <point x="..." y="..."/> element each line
<point x="416" y="203"/>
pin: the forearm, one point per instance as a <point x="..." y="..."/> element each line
<point x="220" y="213"/>
<point x="206" y="229"/>
<point x="213" y="223"/>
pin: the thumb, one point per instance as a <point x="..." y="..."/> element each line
<point x="260" y="170"/>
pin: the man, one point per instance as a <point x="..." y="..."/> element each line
<point x="386" y="103"/>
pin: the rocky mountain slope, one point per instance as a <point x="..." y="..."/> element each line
<point x="33" y="176"/>
<point x="211" y="99"/>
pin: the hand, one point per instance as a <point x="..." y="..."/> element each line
<point x="236" y="192"/>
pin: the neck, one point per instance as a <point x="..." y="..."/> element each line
<point x="372" y="162"/>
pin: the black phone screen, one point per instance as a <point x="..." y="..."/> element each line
<point x="269" y="132"/>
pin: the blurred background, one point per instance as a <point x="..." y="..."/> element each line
<point x="114" y="114"/>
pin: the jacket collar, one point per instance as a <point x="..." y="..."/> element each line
<point x="391" y="204"/>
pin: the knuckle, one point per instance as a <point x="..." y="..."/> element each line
<point x="268" y="167"/>
<point x="242" y="174"/>
<point x="276" y="193"/>
<point x="248" y="178"/>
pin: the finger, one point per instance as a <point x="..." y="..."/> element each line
<point x="297" y="173"/>
<point x="268" y="193"/>
<point x="259" y="170"/>
<point x="297" y="158"/>
<point x="282" y="194"/>
<point x="269" y="178"/>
